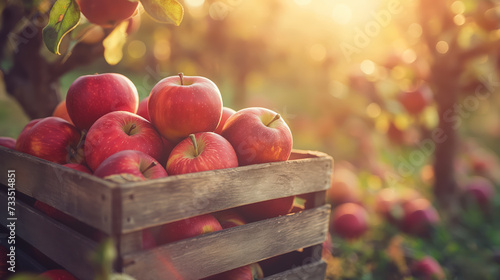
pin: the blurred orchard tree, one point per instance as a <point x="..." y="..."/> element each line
<point x="339" y="72"/>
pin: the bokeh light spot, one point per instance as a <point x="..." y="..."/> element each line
<point x="459" y="19"/>
<point x="136" y="49"/>
<point x="415" y="30"/>
<point x="342" y="14"/>
<point x="409" y="56"/>
<point x="442" y="47"/>
<point x="458" y="7"/>
<point x="218" y="10"/>
<point x="373" y="110"/>
<point x="367" y="67"/>
<point x="194" y="3"/>
<point x="162" y="50"/>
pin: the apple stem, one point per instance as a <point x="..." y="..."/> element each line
<point x="193" y="139"/>
<point x="132" y="127"/>
<point x="153" y="164"/>
<point x="274" y="119"/>
<point x="181" y="75"/>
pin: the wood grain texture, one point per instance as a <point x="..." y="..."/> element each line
<point x="83" y="196"/>
<point x="312" y="271"/>
<point x="151" y="203"/>
<point x="60" y="243"/>
<point x="230" y="248"/>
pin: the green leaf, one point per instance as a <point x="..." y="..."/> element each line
<point x="64" y="17"/>
<point x="166" y="11"/>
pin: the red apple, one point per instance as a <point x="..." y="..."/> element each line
<point x="118" y="131"/>
<point x="4" y="259"/>
<point x="415" y="101"/>
<point x="343" y="187"/>
<point x="167" y="150"/>
<point x="419" y="217"/>
<point x="427" y="268"/>
<point x="61" y="112"/>
<point x="8" y="142"/>
<point x="107" y="13"/>
<point x="188" y="228"/>
<point x="201" y="152"/>
<point x="226" y="113"/>
<point x="229" y="218"/>
<point x="143" y="109"/>
<point x="138" y="165"/>
<point x="258" y="135"/>
<point x="53" y="139"/>
<point x="480" y="191"/>
<point x="93" y="96"/>
<point x="267" y="209"/>
<point x="54" y="213"/>
<point x="79" y="167"/>
<point x="148" y="240"/>
<point x="22" y="136"/>
<point x="349" y="221"/>
<point x="183" y="105"/>
<point x="58" y="274"/>
<point x="240" y="273"/>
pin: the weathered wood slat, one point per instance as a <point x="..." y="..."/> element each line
<point x="230" y="248"/>
<point x="83" y="196"/>
<point x="312" y="271"/>
<point x="169" y="199"/>
<point x="60" y="243"/>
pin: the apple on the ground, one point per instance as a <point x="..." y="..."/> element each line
<point x="93" y="96"/>
<point x="183" y="105"/>
<point x="344" y="187"/>
<point x="419" y="217"/>
<point x="201" y="152"/>
<point x="349" y="221"/>
<point x="118" y="131"/>
<point x="258" y="135"/>
<point x="479" y="191"/>
<point x="130" y="165"/>
<point x="427" y="268"/>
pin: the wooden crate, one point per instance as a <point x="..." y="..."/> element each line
<point x="123" y="210"/>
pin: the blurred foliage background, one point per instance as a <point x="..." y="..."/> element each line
<point x="336" y="71"/>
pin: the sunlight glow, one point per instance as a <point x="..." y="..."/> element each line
<point x="373" y="110"/>
<point x="409" y="56"/>
<point x="458" y="7"/>
<point x="415" y="30"/>
<point x="136" y="49"/>
<point x="442" y="47"/>
<point x="162" y="50"/>
<point x="342" y="14"/>
<point x="317" y="52"/>
<point x="459" y="19"/>
<point x="367" y="67"/>
<point x="302" y="2"/>
<point x="194" y="3"/>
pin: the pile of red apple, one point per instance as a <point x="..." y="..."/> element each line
<point x="181" y="127"/>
